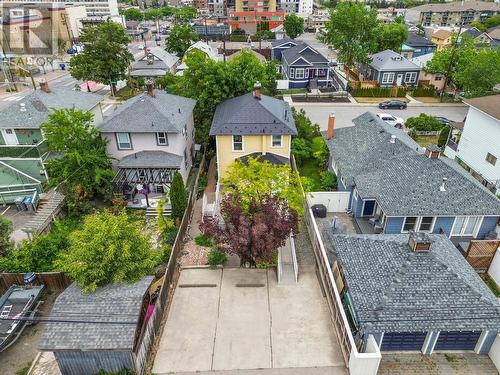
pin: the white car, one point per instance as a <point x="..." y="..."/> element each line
<point x="397" y="122"/>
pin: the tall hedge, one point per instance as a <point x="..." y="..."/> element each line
<point x="178" y="197"/>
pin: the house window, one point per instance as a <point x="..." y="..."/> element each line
<point x="410" y="223"/>
<point x="277" y="141"/>
<point x="438" y="77"/>
<point x="292" y="71"/>
<point x="426" y="224"/>
<point x="465" y="225"/>
<point x="123" y="141"/>
<point x="162" y="139"/>
<point x="299" y="73"/>
<point x="388" y="78"/>
<point x="491" y="159"/>
<point x="410" y="77"/>
<point x="237" y="143"/>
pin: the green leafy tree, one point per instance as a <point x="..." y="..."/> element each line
<point x="351" y="31"/>
<point x="152" y="14"/>
<point x="132" y="14"/>
<point x="105" y="58"/>
<point x="293" y="25"/>
<point x="443" y="136"/>
<point x="107" y="249"/>
<point x="257" y="179"/>
<point x="424" y="122"/>
<point x="185" y="13"/>
<point x="5" y="232"/>
<point x="391" y="36"/>
<point x="178" y="197"/>
<point x="180" y="39"/>
<point x="305" y="128"/>
<point x="301" y="150"/>
<point x="82" y="163"/>
<point x="319" y="151"/>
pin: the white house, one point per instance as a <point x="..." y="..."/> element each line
<point x="478" y="146"/>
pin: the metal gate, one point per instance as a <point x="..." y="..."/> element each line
<point x="402" y="341"/>
<point x="456" y="340"/>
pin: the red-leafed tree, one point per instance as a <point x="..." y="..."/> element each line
<point x="252" y="234"/>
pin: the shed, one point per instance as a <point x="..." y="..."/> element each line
<point x="97" y="331"/>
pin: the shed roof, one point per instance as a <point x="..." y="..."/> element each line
<point x="151" y="159"/>
<point x="115" y="307"/>
<point x="389" y="61"/>
<point x="247" y="115"/>
<point x="34" y="109"/>
<point x="400" y="177"/>
<point x="145" y="114"/>
<point x="393" y="289"/>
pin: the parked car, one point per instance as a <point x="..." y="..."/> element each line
<point x="394" y="104"/>
<point x="443" y="120"/>
<point x="397" y="122"/>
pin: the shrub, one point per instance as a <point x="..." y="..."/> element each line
<point x="320" y="151"/>
<point x="424" y="122"/>
<point x="328" y="181"/>
<point x="424" y="91"/>
<point x="202" y="184"/>
<point x="216" y="258"/>
<point x="178" y="197"/>
<point x="202" y="240"/>
<point x="265" y="264"/>
<point x="300" y="150"/>
<point x="443" y="136"/>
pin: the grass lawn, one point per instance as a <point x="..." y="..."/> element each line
<point x="309" y="168"/>
<point x="368" y="99"/>
<point x="491" y="284"/>
<point x="424" y="140"/>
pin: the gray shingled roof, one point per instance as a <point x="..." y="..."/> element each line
<point x="112" y="303"/>
<point x="151" y="159"/>
<point x="278" y="42"/>
<point x="391" y="61"/>
<point x="247" y="115"/>
<point x="145" y="114"/>
<point x="162" y="61"/>
<point x="305" y="51"/>
<point x="393" y="289"/>
<point x="402" y="180"/>
<point x="415" y="40"/>
<point x="39" y="105"/>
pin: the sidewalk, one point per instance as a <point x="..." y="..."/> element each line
<point x="28" y="85"/>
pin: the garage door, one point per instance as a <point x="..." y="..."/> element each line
<point x="397" y="341"/>
<point x="454" y="340"/>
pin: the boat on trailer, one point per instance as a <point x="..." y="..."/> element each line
<point x="17" y="305"/>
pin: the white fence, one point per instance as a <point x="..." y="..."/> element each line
<point x="334" y="201"/>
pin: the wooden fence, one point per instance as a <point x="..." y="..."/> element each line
<point x="52" y="280"/>
<point x="153" y="328"/>
<point x="480" y="253"/>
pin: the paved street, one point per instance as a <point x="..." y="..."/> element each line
<point x="344" y="113"/>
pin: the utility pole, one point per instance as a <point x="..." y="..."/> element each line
<point x="224" y="45"/>
<point x="448" y="70"/>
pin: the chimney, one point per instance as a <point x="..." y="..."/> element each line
<point x="432" y="151"/>
<point x="419" y="242"/>
<point x="256" y="90"/>
<point x="44" y="86"/>
<point x="331" y="126"/>
<point x="149" y="86"/>
<point x="443" y="185"/>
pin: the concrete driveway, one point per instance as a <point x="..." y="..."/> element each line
<point x="241" y="319"/>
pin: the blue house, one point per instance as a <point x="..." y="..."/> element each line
<point x="389" y="68"/>
<point x="280" y="45"/>
<point x="420" y="44"/>
<point x="412" y="292"/>
<point x="305" y="67"/>
<point x="397" y="186"/>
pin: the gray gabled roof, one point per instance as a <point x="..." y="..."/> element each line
<point x="145" y="114"/>
<point x="162" y="60"/>
<point x="393" y="289"/>
<point x="415" y="40"/>
<point x="151" y="159"/>
<point x="304" y="51"/>
<point x="119" y="303"/>
<point x="400" y="177"/>
<point x="279" y="42"/>
<point x="391" y="61"/>
<point x="39" y="104"/>
<point x="247" y="115"/>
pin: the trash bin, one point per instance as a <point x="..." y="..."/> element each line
<point x="28" y="203"/>
<point x="62" y="66"/>
<point x="319" y="210"/>
<point x="19" y="203"/>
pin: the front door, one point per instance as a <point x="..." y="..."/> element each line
<point x="368" y="208"/>
<point x="399" y="80"/>
<point x="9" y="136"/>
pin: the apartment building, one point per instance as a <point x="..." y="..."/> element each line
<point x="93" y="7"/>
<point x="249" y="13"/>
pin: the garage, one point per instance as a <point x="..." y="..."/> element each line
<point x="403" y="341"/>
<point x="457" y="340"/>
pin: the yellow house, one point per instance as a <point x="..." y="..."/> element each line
<point x="442" y="39"/>
<point x="252" y="125"/>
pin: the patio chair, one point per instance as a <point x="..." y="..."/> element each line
<point x="377" y="229"/>
<point x="375" y="220"/>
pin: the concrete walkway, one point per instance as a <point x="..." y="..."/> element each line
<point x="241" y="319"/>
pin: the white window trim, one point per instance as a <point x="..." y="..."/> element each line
<point x="297" y="70"/>
<point x="292" y="72"/>
<point x="242" y="144"/>
<point x="118" y="141"/>
<point x="475" y="230"/>
<point x="158" y="139"/>
<point x="281" y="141"/>
<point x="410" y="77"/>
<point x="404" y="222"/>
<point x="432" y="224"/>
<point x="385" y="77"/>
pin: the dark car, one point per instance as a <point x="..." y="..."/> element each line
<point x="394" y="104"/>
<point x="443" y="120"/>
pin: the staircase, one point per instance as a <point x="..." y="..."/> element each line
<point x="151" y="211"/>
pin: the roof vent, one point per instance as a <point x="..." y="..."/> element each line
<point x="443" y="184"/>
<point x="23" y="107"/>
<point x="393" y="139"/>
<point x="419" y="242"/>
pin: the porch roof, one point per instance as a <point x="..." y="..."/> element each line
<point x="151" y="159"/>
